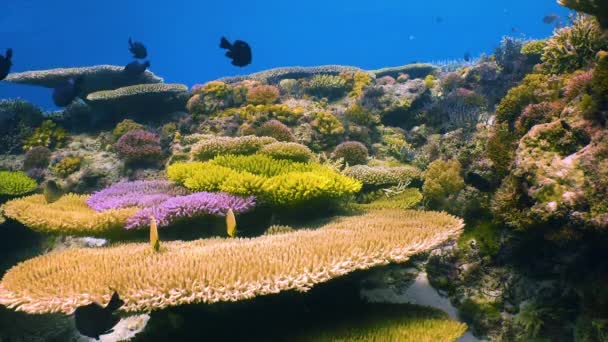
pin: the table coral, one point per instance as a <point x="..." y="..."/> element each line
<point x="216" y="270"/>
<point x="141" y="194"/>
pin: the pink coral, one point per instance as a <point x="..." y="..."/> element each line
<point x="139" y="145"/>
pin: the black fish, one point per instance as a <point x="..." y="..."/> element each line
<point x="467" y="56"/>
<point x="136" y="68"/>
<point x="138" y="49"/>
<point x="94" y="320"/>
<point x="64" y="94"/>
<point x="239" y="52"/>
<point x="5" y="64"/>
<point x="550" y="18"/>
<point x="51" y="191"/>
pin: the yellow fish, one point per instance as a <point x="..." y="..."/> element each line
<point x="154" y="240"/>
<point x="231" y="223"/>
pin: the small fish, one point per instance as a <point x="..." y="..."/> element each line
<point x="231" y="223"/>
<point x="239" y="52"/>
<point x="550" y="18"/>
<point x="154" y="239"/>
<point x="467" y="56"/>
<point x="93" y="320"/>
<point x="138" y="49"/>
<point x="66" y="93"/>
<point x="52" y="191"/>
<point x="438" y="20"/>
<point x="6" y="63"/>
<point x="136" y="68"/>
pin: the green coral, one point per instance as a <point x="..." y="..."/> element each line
<point x="534" y="47"/>
<point x="287" y="150"/>
<point x="328" y="86"/>
<point x="257" y="113"/>
<point x="442" y="179"/>
<point x="212" y="146"/>
<point x="126" y="126"/>
<point x="217" y="89"/>
<point x="574" y="47"/>
<point x="67" y="166"/>
<point x="47" y="135"/>
<point x="382" y="176"/>
<point x="406" y="199"/>
<point x="327" y="124"/>
<point x="16" y="183"/>
<point x="277" y="182"/>
<point x="534" y="88"/>
<point x="355" y="113"/>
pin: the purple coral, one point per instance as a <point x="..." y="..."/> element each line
<point x="139" y="145"/>
<point x="190" y="206"/>
<point x="134" y="194"/>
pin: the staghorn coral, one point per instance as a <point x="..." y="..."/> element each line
<point x="140" y="194"/>
<point x="382" y="176"/>
<point x="139" y="145"/>
<point x="287" y="150"/>
<point x="93" y="78"/>
<point x="352" y="152"/>
<point x="199" y="271"/>
<point x="70" y="215"/>
<point x="190" y="206"/>
<point x="574" y="47"/>
<point x="16" y="183"/>
<point x="275" y="129"/>
<point x="213" y="146"/>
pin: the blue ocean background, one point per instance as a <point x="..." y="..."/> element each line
<point x="182" y="36"/>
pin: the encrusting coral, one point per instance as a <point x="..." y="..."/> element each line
<point x="69" y="215"/>
<point x="216" y="270"/>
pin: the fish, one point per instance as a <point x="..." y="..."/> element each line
<point x="154" y="239"/>
<point x="438" y="20"/>
<point x="93" y="320"/>
<point x="138" y="49"/>
<point x="66" y="93"/>
<point x="136" y="68"/>
<point x="52" y="191"/>
<point x="467" y="56"/>
<point x="231" y="223"/>
<point x="550" y="18"/>
<point x="239" y="52"/>
<point x="6" y="63"/>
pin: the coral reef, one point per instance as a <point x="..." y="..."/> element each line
<point x="93" y="79"/>
<point x="47" y="135"/>
<point x="382" y="176"/>
<point x="70" y="215"/>
<point x="198" y="271"/>
<point x="275" y="129"/>
<point x="126" y="126"/>
<point x="142" y="194"/>
<point x="37" y="157"/>
<point x="417" y="70"/>
<point x="66" y="166"/>
<point x="16" y="183"/>
<point x="597" y="8"/>
<point x="190" y="206"/>
<point x="141" y="99"/>
<point x="211" y="146"/>
<point x="263" y="95"/>
<point x="287" y="150"/>
<point x="139" y="146"/>
<point x="352" y="152"/>
<point x="17" y="120"/>
<point x="274" y="76"/>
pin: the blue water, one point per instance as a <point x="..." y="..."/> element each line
<point x="182" y="36"/>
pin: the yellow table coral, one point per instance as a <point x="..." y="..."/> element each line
<point x="69" y="215"/>
<point x="215" y="270"/>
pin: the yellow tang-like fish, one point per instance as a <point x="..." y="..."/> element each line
<point x="231" y="223"/>
<point x="154" y="240"/>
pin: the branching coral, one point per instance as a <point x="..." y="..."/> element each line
<point x="201" y="271"/>
<point x="328" y="86"/>
<point x="214" y="146"/>
<point x="140" y="194"/>
<point x="47" y="135"/>
<point x="126" y="126"/>
<point x="263" y="94"/>
<point x="327" y="124"/>
<point x="139" y="145"/>
<point x="353" y="153"/>
<point x="287" y="150"/>
<point x="275" y="129"/>
<point x="441" y="179"/>
<point x="67" y="166"/>
<point x="278" y="182"/>
<point x="69" y="215"/>
<point x="574" y="47"/>
<point x="16" y="183"/>
<point x="381" y="176"/>
<point x="190" y="206"/>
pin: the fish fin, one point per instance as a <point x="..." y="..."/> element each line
<point x="9" y="53"/>
<point x="130" y="42"/>
<point x="225" y="44"/>
<point x="229" y="54"/>
<point x="147" y="64"/>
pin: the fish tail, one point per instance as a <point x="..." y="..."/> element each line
<point x="225" y="44"/>
<point x="115" y="302"/>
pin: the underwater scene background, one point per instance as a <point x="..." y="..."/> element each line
<point x="320" y="171"/>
